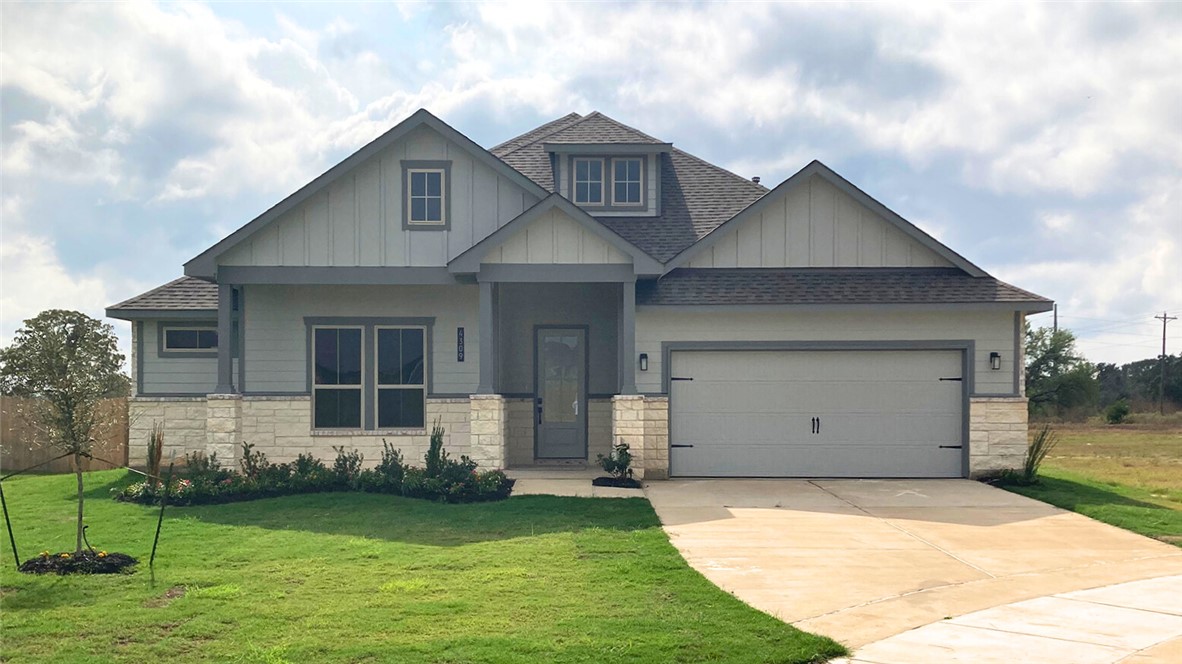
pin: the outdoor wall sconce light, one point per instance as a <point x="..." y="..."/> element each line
<point x="644" y="361"/>
<point x="995" y="361"/>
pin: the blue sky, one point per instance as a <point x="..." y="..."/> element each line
<point x="1043" y="142"/>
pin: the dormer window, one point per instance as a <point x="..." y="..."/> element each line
<point x="588" y="181"/>
<point x="626" y="182"/>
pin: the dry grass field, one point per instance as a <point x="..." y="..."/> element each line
<point x="1144" y="456"/>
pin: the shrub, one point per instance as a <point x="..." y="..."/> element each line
<point x="1038" y="449"/>
<point x="618" y="462"/>
<point x="346" y="467"/>
<point x="1117" y="412"/>
<point x="443" y="478"/>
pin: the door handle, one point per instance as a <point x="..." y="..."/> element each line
<point x="539" y="409"/>
<point x="818" y="425"/>
<point x="813" y="425"/>
<point x="575" y="404"/>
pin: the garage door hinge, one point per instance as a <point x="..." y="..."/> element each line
<point x="679" y="378"/>
<point x="677" y="445"/>
<point x="956" y="379"/>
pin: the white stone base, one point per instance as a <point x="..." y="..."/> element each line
<point x="997" y="434"/>
<point x="643" y="423"/>
<point x="183" y="419"/>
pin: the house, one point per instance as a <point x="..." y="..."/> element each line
<point x="580" y="284"/>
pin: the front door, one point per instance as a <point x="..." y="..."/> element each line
<point x="560" y="394"/>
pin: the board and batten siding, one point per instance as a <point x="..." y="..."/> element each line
<point x="816" y="225"/>
<point x="277" y="353"/>
<point x="991" y="332"/>
<point x="555" y="238"/>
<point x="175" y="375"/>
<point x="358" y="219"/>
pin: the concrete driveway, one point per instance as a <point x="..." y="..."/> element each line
<point x="863" y="560"/>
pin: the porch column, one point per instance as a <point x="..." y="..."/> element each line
<point x="628" y="339"/>
<point x="225" y="340"/>
<point x="487" y="340"/>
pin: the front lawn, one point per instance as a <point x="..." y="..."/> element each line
<point x="374" y="578"/>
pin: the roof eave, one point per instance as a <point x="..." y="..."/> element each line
<point x="204" y="265"/>
<point x="161" y="314"/>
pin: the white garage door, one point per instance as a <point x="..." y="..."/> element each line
<point x="816" y="414"/>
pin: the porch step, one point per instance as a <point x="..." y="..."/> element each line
<point x="559" y="463"/>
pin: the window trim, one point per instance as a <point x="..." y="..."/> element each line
<point x="443" y="167"/>
<point x="574" y="174"/>
<point x="646" y="205"/>
<point x="313" y="386"/>
<point x="378" y="387"/>
<point x="162" y="350"/>
<point x="640" y="182"/>
<point x="368" y="359"/>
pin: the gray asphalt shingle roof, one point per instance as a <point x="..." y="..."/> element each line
<point x="184" y="294"/>
<point x="827" y="286"/>
<point x="696" y="196"/>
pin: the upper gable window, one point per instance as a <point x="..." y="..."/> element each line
<point x="626" y="182"/>
<point x="588" y="181"/>
<point x="426" y="192"/>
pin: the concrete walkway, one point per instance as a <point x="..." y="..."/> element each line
<point x="565" y="481"/>
<point x="1137" y="622"/>
<point x="864" y="560"/>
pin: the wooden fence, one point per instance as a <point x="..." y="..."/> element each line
<point x="21" y="448"/>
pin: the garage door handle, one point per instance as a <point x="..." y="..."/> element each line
<point x="676" y="445"/>
<point x="818" y="425"/>
<point x="952" y="447"/>
<point x="956" y="379"/>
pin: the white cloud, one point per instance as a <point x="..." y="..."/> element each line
<point x="33" y="279"/>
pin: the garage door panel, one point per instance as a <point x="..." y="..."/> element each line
<point x="812" y="461"/>
<point x="882" y="413"/>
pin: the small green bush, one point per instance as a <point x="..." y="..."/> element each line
<point x="618" y="463"/>
<point x="1117" y="412"/>
<point x="443" y="478"/>
<point x="1038" y="449"/>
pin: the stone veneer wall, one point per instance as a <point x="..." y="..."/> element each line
<point x="997" y="434"/>
<point x="281" y="427"/>
<point x="643" y="423"/>
<point x="489" y="427"/>
<point x="183" y="419"/>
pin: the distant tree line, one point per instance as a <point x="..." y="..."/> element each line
<point x="1060" y="382"/>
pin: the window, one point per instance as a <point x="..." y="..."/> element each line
<point x="336" y="377"/>
<point x="589" y="181"/>
<point x="425" y="203"/>
<point x="626" y="182"/>
<point x="191" y="339"/>
<point x="401" y="377"/>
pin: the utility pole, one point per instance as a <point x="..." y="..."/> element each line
<point x="1055" y="329"/>
<point x="1161" y="388"/>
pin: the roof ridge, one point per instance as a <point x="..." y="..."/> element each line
<point x="539" y="128"/>
<point x="716" y="167"/>
<point x="149" y="292"/>
<point x="621" y="124"/>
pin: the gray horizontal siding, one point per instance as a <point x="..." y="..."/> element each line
<point x="175" y="375"/>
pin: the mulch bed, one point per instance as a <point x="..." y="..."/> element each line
<point x="87" y="562"/>
<point x="618" y="482"/>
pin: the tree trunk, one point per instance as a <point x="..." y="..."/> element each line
<point x="78" y="473"/>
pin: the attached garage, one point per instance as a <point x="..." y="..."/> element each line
<point x="817" y="413"/>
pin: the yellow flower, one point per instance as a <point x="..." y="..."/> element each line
<point x="102" y="554"/>
<point x="65" y="555"/>
<point x="44" y="554"/>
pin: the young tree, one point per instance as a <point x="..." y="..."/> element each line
<point x="1058" y="378"/>
<point x="65" y="362"/>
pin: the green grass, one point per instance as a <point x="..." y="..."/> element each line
<point x="1129" y="476"/>
<point x="372" y="578"/>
